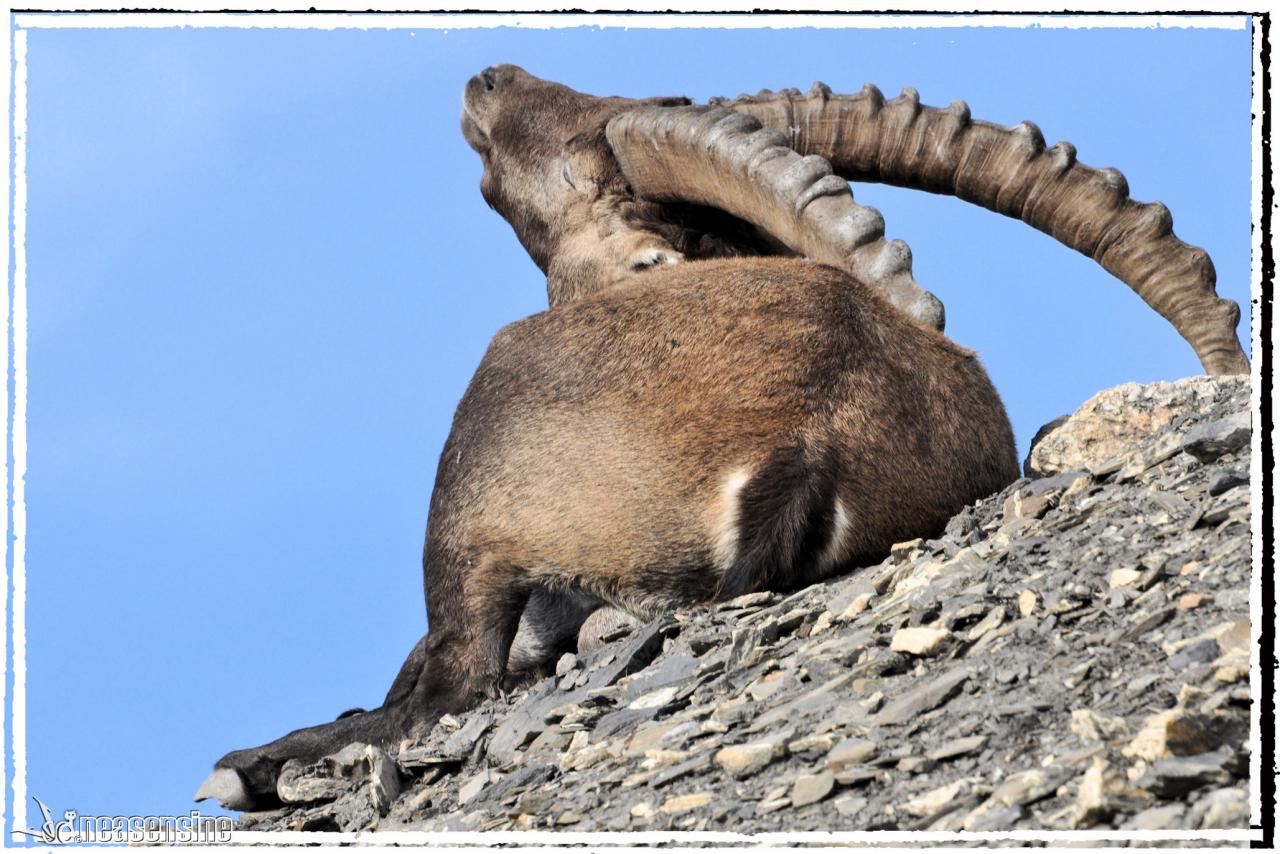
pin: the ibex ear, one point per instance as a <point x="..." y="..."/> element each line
<point x="582" y="168"/>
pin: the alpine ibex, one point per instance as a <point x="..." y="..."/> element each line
<point x="691" y="419"/>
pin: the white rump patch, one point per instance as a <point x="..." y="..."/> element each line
<point x="834" y="551"/>
<point x="724" y="526"/>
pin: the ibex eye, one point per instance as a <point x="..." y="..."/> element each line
<point x="644" y="262"/>
<point x="653" y="256"/>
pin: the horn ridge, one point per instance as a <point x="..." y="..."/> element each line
<point x="1010" y="170"/>
<point x="715" y="157"/>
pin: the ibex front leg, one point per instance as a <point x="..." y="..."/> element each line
<point x="473" y="613"/>
<point x="246" y="779"/>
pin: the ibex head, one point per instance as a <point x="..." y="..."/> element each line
<point x="600" y="189"/>
<point x="549" y="171"/>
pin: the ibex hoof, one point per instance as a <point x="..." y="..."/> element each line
<point x="227" y="787"/>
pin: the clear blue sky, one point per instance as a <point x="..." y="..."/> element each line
<point x="261" y="274"/>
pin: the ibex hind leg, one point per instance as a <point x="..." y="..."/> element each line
<point x="548" y="628"/>
<point x="495" y="593"/>
<point x="603" y="623"/>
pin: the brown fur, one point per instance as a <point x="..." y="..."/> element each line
<point x="595" y="437"/>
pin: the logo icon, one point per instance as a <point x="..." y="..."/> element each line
<point x="51" y="833"/>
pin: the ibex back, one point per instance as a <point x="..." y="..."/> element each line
<point x="683" y="424"/>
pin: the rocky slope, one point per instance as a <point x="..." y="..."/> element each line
<point x="1071" y="653"/>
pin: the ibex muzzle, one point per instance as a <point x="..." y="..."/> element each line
<point x="681" y="425"/>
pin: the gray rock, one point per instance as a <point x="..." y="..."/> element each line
<point x="743" y="651"/>
<point x="1146" y="621"/>
<point x="566" y="664"/>
<point x="355" y="766"/>
<point x="1221" y="809"/>
<point x="300" y="784"/>
<point x="525" y="777"/>
<point x="526" y="720"/>
<point x="1198" y="653"/>
<point x="1027" y="787"/>
<point x="999" y="818"/>
<point x="957" y="747"/>
<point x="1158" y="818"/>
<point x="922" y="699"/>
<point x="1176" y="776"/>
<point x="636" y="653"/>
<point x="811" y="704"/>
<point x="850" y="805"/>
<point x="857" y="775"/>
<point x="852" y="751"/>
<point x="1028" y="468"/>
<point x="1208" y="442"/>
<point x="668" y="670"/>
<point x="748" y="601"/>
<point x="747" y="759"/>
<point x="471" y="789"/>
<point x="461" y="743"/>
<point x="1227" y="481"/>
<point x="354" y="810"/>
<point x="811" y="788"/>
<point x="623" y="720"/>
<point x="702" y="762"/>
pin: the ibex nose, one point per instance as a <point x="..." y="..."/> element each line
<point x="497" y="76"/>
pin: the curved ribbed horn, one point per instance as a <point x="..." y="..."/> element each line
<point x="726" y="160"/>
<point x="1010" y="171"/>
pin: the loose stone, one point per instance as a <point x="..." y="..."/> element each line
<point x="811" y="788"/>
<point x="919" y="640"/>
